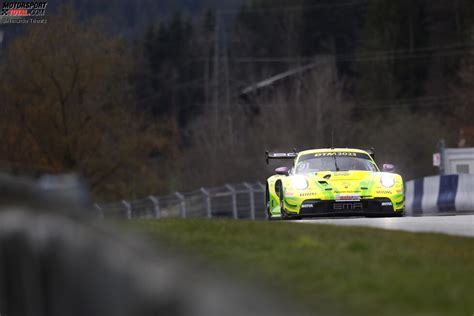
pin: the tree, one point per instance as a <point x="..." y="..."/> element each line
<point x="393" y="32"/>
<point x="67" y="107"/>
<point x="309" y="115"/>
<point x="464" y="113"/>
<point x="170" y="82"/>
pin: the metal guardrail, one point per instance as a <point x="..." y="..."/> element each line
<point x="56" y="260"/>
<point x="238" y="201"/>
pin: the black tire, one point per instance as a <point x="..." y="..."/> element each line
<point x="267" y="204"/>
<point x="284" y="215"/>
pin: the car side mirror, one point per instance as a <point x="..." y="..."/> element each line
<point x="388" y="168"/>
<point x="282" y="171"/>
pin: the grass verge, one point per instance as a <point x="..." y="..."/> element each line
<point x="333" y="270"/>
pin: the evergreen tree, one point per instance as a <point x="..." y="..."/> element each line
<point x="388" y="67"/>
<point x="173" y="78"/>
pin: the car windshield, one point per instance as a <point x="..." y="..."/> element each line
<point x="334" y="162"/>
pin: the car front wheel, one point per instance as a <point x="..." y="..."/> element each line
<point x="281" y="195"/>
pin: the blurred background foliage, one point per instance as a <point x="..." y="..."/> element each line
<point x="150" y="97"/>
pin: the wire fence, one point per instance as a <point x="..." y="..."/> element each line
<point x="237" y="201"/>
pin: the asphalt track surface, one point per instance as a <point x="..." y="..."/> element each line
<point x="460" y="225"/>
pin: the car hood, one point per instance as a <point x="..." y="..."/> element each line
<point x="331" y="176"/>
<point x="345" y="181"/>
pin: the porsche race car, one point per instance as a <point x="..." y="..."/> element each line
<point x="332" y="182"/>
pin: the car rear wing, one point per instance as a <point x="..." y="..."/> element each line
<point x="280" y="156"/>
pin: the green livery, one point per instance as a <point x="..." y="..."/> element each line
<point x="331" y="182"/>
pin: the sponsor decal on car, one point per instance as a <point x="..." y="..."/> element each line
<point x="347" y="197"/>
<point x="341" y="154"/>
<point x="347" y="206"/>
<point x="308" y="194"/>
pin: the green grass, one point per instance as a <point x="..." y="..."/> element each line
<point x="333" y="270"/>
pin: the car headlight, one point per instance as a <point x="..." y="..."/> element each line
<point x="387" y="181"/>
<point x="299" y="183"/>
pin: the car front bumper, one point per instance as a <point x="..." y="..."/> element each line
<point x="365" y="207"/>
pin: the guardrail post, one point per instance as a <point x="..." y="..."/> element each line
<point x="128" y="209"/>
<point x="234" y="201"/>
<point x="100" y="211"/>
<point x="182" y="204"/>
<point x="252" y="200"/>
<point x="156" y="206"/>
<point x="208" y="202"/>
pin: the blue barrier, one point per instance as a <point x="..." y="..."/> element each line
<point x="448" y="189"/>
<point x="440" y="194"/>
<point x="418" y="196"/>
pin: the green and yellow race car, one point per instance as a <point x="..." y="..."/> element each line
<point x="333" y="182"/>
